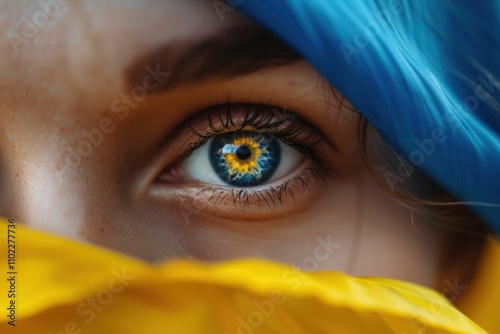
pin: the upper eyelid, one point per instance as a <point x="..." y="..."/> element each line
<point x="299" y="133"/>
<point x="258" y="116"/>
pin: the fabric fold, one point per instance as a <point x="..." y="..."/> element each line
<point x="63" y="285"/>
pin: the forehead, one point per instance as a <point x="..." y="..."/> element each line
<point x="29" y="25"/>
<point x="82" y="41"/>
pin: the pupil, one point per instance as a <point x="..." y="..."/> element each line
<point x="244" y="152"/>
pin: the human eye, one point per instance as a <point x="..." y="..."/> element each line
<point x="247" y="159"/>
<point x="243" y="159"/>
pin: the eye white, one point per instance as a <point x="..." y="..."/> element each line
<point x="197" y="167"/>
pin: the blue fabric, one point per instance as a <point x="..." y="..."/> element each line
<point x="425" y="73"/>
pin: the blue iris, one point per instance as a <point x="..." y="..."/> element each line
<point x="245" y="158"/>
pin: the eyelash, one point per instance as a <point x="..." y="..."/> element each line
<point x="273" y="193"/>
<point x="290" y="128"/>
<point x="262" y="118"/>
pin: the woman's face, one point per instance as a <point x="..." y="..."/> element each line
<point x="179" y="128"/>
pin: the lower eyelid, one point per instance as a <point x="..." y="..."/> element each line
<point x="284" y="198"/>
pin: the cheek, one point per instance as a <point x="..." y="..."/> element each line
<point x="352" y="226"/>
<point x="392" y="241"/>
<point x="295" y="238"/>
<point x="32" y="174"/>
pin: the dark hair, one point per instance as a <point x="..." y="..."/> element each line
<point x="466" y="233"/>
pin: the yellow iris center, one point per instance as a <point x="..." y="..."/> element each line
<point x="250" y="165"/>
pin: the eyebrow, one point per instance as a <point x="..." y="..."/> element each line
<point x="233" y="52"/>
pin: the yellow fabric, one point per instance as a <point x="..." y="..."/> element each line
<point x="482" y="300"/>
<point x="67" y="287"/>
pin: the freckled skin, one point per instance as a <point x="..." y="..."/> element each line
<point x="61" y="85"/>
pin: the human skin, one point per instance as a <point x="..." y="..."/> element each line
<point x="65" y="80"/>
